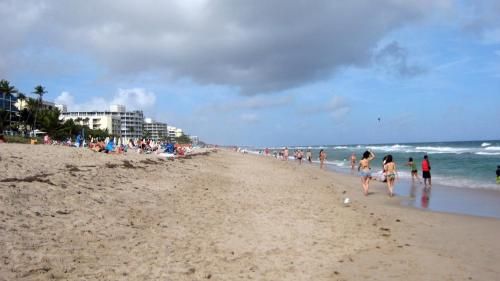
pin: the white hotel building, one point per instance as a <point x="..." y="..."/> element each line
<point x="174" y="132"/>
<point x="156" y="130"/>
<point x="117" y="121"/>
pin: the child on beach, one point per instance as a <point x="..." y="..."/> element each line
<point x="353" y="161"/>
<point x="498" y="174"/>
<point x="390" y="173"/>
<point x="426" y="171"/>
<point x="364" y="170"/>
<point x="414" y="171"/>
<point x="322" y="158"/>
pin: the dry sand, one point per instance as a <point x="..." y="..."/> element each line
<point x="72" y="214"/>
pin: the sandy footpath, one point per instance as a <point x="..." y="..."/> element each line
<point x="71" y="214"/>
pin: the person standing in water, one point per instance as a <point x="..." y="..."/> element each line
<point x="426" y="171"/>
<point x="414" y="171"/>
<point x="285" y="154"/>
<point x="364" y="170"/>
<point x="353" y="161"/>
<point x="300" y="155"/>
<point x="391" y="174"/>
<point x="309" y="156"/>
<point x="322" y="158"/>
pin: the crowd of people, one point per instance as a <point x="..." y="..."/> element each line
<point x="389" y="173"/>
<point x="113" y="145"/>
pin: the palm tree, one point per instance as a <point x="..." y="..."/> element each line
<point x="22" y="99"/>
<point x="39" y="91"/>
<point x="7" y="91"/>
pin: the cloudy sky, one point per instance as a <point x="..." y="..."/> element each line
<point x="275" y="72"/>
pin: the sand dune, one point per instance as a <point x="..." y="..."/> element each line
<point x="73" y="214"/>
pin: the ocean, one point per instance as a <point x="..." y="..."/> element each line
<point x="463" y="164"/>
<point x="463" y="173"/>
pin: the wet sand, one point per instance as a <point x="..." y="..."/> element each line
<point x="72" y="214"/>
<point x="467" y="201"/>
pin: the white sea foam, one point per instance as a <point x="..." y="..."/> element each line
<point x="340" y="147"/>
<point x="389" y="148"/>
<point x="485" y="144"/>
<point x="442" y="149"/>
<point x="335" y="163"/>
<point x="487" y="153"/>
<point x="493" y="148"/>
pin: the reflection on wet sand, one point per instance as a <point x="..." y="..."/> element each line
<point x="426" y="197"/>
<point x="413" y="190"/>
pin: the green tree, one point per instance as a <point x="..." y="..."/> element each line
<point x="49" y="121"/>
<point x="39" y="91"/>
<point x="8" y="92"/>
<point x="146" y="135"/>
<point x="22" y="99"/>
<point x="183" y="139"/>
<point x="4" y="120"/>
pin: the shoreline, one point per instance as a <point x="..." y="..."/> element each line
<point x="442" y="198"/>
<point x="481" y="202"/>
<point x="73" y="214"/>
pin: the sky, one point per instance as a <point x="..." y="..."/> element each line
<point x="268" y="73"/>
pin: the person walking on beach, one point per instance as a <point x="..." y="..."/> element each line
<point x="426" y="171"/>
<point x="309" y="156"/>
<point x="353" y="161"/>
<point x="414" y="171"/>
<point x="390" y="173"/>
<point x="364" y="170"/>
<point x="498" y="174"/>
<point x="322" y="158"/>
<point x="285" y="154"/>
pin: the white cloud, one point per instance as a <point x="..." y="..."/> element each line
<point x="136" y="98"/>
<point x="249" y="117"/>
<point x="133" y="99"/>
<point x="65" y="98"/>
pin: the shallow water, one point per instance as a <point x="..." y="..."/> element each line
<point x="467" y="164"/>
<point x="463" y="173"/>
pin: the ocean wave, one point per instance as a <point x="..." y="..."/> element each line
<point x="487" y="153"/>
<point x="336" y="163"/>
<point x="387" y="148"/>
<point x="442" y="149"/>
<point x="464" y="183"/>
<point x="340" y="147"/>
<point x="485" y="144"/>
<point x="493" y="148"/>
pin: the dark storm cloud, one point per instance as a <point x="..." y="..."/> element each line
<point x="394" y="59"/>
<point x="257" y="46"/>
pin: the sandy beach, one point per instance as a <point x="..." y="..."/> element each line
<point x="72" y="214"/>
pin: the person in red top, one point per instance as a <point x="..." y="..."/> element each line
<point x="426" y="171"/>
